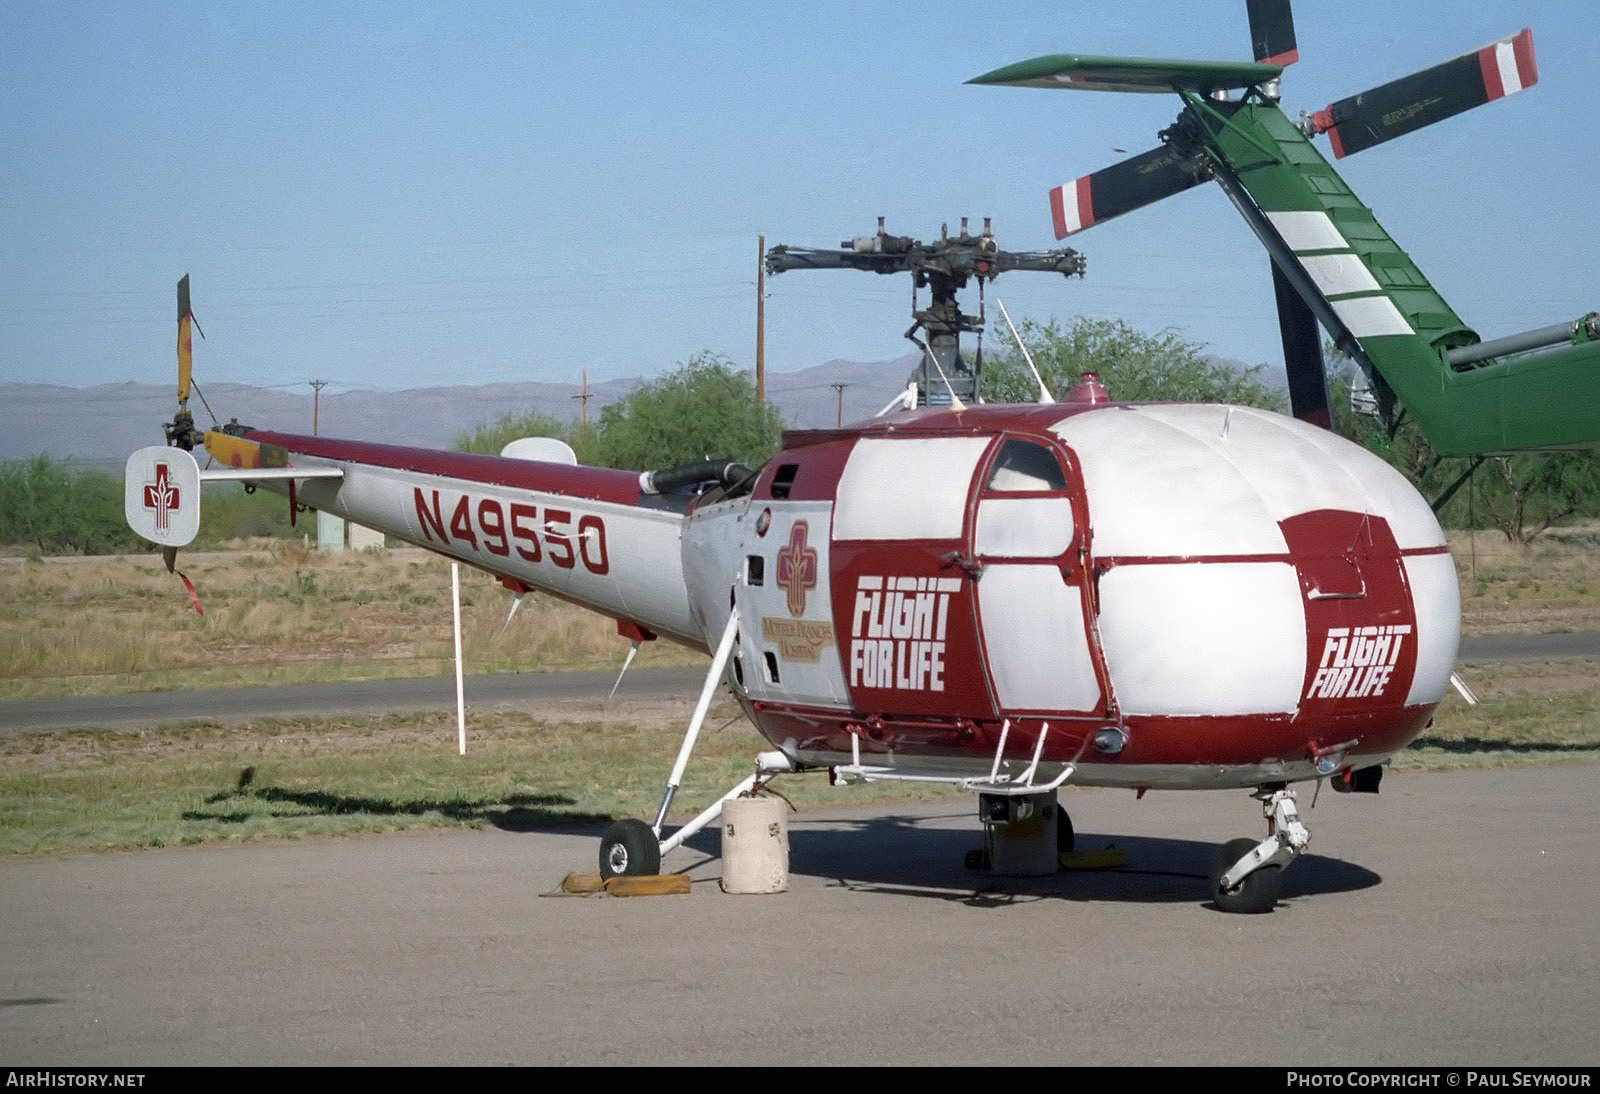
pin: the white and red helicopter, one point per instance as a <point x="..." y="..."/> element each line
<point x="1001" y="598"/>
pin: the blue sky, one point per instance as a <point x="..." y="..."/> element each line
<point x="404" y="194"/>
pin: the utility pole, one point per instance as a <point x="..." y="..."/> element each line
<point x="761" y="320"/>
<point x="316" y="398"/>
<point x="583" y="406"/>
<point x="839" y="386"/>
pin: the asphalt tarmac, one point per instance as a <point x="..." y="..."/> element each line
<point x="151" y="710"/>
<point x="1447" y="921"/>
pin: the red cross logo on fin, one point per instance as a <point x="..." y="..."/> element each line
<point x="161" y="496"/>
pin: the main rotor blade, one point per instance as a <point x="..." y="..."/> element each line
<point x="1272" y="32"/>
<point x="1302" y="354"/>
<point x="1425" y="97"/>
<point x="1121" y="188"/>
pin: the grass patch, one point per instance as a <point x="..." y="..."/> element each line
<point x="293" y="778"/>
<point x="285" y="615"/>
<point x="284" y="779"/>
<point x="96" y="626"/>
<point x="1538" y="712"/>
<point x="1552" y="584"/>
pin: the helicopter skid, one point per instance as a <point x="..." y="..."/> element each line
<point x="1029" y="753"/>
<point x="1121" y="776"/>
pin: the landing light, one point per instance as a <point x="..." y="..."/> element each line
<point x="1109" y="742"/>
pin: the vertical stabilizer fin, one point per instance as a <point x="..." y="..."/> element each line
<point x="161" y="495"/>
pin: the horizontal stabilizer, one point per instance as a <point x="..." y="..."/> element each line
<point x="1411" y="102"/>
<point x="1121" y="188"/>
<point x="261" y="474"/>
<point x="161" y="490"/>
<point x="1083" y="73"/>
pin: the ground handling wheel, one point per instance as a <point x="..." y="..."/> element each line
<point x="629" y="848"/>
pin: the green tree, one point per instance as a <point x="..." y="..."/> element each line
<point x="231" y="513"/>
<point x="1136" y="367"/>
<point x="57" y="510"/>
<point x="1538" y="489"/>
<point x="706" y="407"/>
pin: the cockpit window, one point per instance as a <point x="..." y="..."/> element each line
<point x="1024" y="465"/>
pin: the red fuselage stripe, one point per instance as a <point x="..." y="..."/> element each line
<point x="591" y="483"/>
<point x="1173" y="560"/>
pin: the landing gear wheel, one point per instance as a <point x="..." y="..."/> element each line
<point x="1066" y="840"/>
<point x="1257" y="893"/>
<point x="629" y="849"/>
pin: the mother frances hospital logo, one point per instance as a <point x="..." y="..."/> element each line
<point x="797" y="639"/>
<point x="797" y="569"/>
<point x="162" y="497"/>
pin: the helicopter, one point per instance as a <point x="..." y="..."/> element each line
<point x="1332" y="263"/>
<point x="1001" y="599"/>
<point x="997" y="598"/>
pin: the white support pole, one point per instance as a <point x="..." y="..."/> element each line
<point x="711" y="813"/>
<point x="461" y="694"/>
<point x="767" y="765"/>
<point x="713" y="678"/>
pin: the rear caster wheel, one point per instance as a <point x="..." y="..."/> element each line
<point x="629" y="848"/>
<point x="1257" y="893"/>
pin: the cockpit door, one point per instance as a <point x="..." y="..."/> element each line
<point x="1034" y="600"/>
<point x="903" y="586"/>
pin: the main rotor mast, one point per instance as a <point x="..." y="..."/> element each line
<point x="943" y="267"/>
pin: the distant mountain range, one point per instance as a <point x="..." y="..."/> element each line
<point x="99" y="426"/>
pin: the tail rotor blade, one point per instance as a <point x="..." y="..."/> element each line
<point x="1272" y="32"/>
<point x="185" y="344"/>
<point x="1121" y="188"/>
<point x="1425" y="97"/>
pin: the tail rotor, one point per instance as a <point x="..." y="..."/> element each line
<point x="161" y="483"/>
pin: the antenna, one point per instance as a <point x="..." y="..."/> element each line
<point x="1044" y="392"/>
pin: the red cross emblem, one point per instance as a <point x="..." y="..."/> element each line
<point x="161" y="496"/>
<point x="797" y="569"/>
